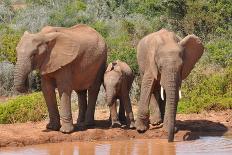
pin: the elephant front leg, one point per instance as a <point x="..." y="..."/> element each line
<point x="65" y="111"/>
<point x="142" y="121"/>
<point x="48" y="90"/>
<point x="114" y="116"/>
<point x="82" y="103"/>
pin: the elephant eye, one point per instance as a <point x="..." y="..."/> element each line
<point x="33" y="54"/>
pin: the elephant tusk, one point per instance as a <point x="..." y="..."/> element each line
<point x="180" y="96"/>
<point x="162" y="93"/>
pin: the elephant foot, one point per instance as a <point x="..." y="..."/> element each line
<point x="157" y="124"/>
<point x="67" y="128"/>
<point x="80" y="124"/>
<point x="132" y="125"/>
<point x="155" y="120"/>
<point x="122" y="120"/>
<point x="90" y="124"/>
<point x="53" y="126"/>
<point x="165" y="129"/>
<point x="116" y="124"/>
<point x="80" y="121"/>
<point x="141" y="125"/>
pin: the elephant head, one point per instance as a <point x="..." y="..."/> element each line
<point x="171" y="63"/>
<point x="112" y="82"/>
<point x="44" y="51"/>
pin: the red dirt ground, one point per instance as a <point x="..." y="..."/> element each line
<point x="3" y="99"/>
<point x="191" y="126"/>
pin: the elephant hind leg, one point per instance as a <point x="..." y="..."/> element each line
<point x="48" y="90"/>
<point x="82" y="104"/>
<point x="129" y="112"/>
<point x="122" y="117"/>
<point x="114" y="116"/>
<point x="92" y="97"/>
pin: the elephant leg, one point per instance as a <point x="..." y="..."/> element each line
<point x="65" y="110"/>
<point x="122" y="117"/>
<point x="114" y="116"/>
<point x="82" y="104"/>
<point x="48" y="90"/>
<point x="142" y="122"/>
<point x="129" y="112"/>
<point x="92" y="98"/>
<point x="155" y="112"/>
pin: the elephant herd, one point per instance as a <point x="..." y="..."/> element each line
<point x="75" y="58"/>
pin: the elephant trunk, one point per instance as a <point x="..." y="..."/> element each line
<point x="22" y="69"/>
<point x="171" y="89"/>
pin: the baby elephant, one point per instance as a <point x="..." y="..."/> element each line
<point x="118" y="79"/>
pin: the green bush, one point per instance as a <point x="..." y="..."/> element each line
<point x="23" y="108"/>
<point x="101" y="27"/>
<point x="127" y="55"/>
<point x="67" y="15"/>
<point x="208" y="92"/>
<point x="8" y="42"/>
<point x="6" y="78"/>
<point x="220" y="52"/>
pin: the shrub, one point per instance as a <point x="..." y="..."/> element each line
<point x="220" y="52"/>
<point x="32" y="18"/>
<point x="6" y="78"/>
<point x="127" y="55"/>
<point x="6" y="13"/>
<point x="208" y="92"/>
<point x="23" y="108"/>
<point x="101" y="27"/>
<point x="67" y="15"/>
<point x="9" y="39"/>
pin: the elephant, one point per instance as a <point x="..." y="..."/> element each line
<point x="67" y="59"/>
<point x="118" y="80"/>
<point x="164" y="60"/>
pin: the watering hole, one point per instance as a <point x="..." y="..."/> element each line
<point x="205" y="145"/>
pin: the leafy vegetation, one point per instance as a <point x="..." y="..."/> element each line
<point x="9" y="40"/>
<point x="124" y="22"/>
<point x="23" y="108"/>
<point x="207" y="92"/>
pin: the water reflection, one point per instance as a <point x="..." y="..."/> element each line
<point x="205" y="145"/>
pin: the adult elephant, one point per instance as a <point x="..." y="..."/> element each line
<point x="164" y="60"/>
<point x="68" y="59"/>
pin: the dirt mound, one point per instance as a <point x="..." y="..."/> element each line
<point x="191" y="126"/>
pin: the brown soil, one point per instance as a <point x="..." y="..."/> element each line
<point x="191" y="126"/>
<point x="3" y="99"/>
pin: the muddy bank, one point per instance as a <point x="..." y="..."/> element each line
<point x="191" y="126"/>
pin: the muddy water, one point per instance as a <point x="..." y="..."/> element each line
<point x="202" y="146"/>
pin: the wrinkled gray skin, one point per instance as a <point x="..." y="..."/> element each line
<point x="68" y="59"/>
<point x="164" y="60"/>
<point x="118" y="79"/>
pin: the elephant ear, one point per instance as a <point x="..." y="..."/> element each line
<point x="193" y="50"/>
<point x="62" y="50"/>
<point x="111" y="66"/>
